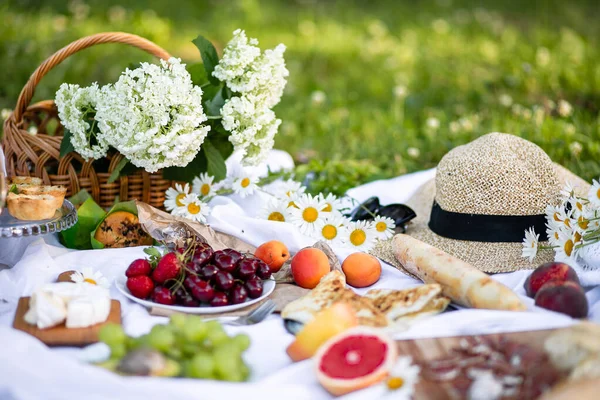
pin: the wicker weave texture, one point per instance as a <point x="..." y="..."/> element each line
<point x="39" y="154"/>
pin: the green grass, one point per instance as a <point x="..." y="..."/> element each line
<point x="474" y="66"/>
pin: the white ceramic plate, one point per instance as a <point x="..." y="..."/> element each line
<point x="268" y="287"/>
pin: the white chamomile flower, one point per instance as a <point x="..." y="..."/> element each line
<point x="384" y="227"/>
<point x="552" y="231"/>
<point x="307" y="214"/>
<point x="193" y="208"/>
<point x="403" y="378"/>
<point x="203" y="185"/>
<point x="332" y="203"/>
<point x="530" y="244"/>
<point x="174" y="196"/>
<point x="578" y="207"/>
<point x="566" y="245"/>
<point x="556" y="216"/>
<point x="359" y="235"/>
<point x="332" y="229"/>
<point x="242" y="182"/>
<point x="289" y="189"/>
<point x="88" y="275"/>
<point x="275" y="210"/>
<point x="567" y="191"/>
<point x="594" y="193"/>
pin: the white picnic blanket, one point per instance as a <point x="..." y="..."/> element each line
<point x="30" y="370"/>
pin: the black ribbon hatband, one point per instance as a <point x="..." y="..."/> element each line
<point x="485" y="228"/>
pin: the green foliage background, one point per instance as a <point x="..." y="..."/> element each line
<point x="393" y="84"/>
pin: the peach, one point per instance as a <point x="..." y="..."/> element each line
<point x="273" y="253"/>
<point x="552" y="271"/>
<point x="361" y="269"/>
<point x="326" y="324"/>
<point x="565" y="297"/>
<point x="309" y="266"/>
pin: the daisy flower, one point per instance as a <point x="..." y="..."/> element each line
<point x="359" y="235"/>
<point x="556" y="216"/>
<point x="203" y="185"/>
<point x="567" y="191"/>
<point x="577" y="207"/>
<point x="332" y="229"/>
<point x="384" y="227"/>
<point x="530" y="244"/>
<point x="594" y="193"/>
<point x="307" y="214"/>
<point x="292" y="199"/>
<point x="403" y="378"/>
<point x="275" y="210"/>
<point x="88" y="275"/>
<point x="193" y="208"/>
<point x="332" y="203"/>
<point x="289" y="189"/>
<point x="242" y="182"/>
<point x="566" y="245"/>
<point x="553" y="235"/>
<point x="174" y="196"/>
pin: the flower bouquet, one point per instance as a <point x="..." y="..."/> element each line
<point x="182" y="120"/>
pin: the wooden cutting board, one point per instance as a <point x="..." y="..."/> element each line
<point x="61" y="335"/>
<point x="431" y="349"/>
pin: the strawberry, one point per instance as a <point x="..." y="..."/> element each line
<point x="140" y="286"/>
<point x="168" y="267"/>
<point x="140" y="266"/>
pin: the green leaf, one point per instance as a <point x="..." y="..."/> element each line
<point x="65" y="145"/>
<point x="189" y="172"/>
<point x="89" y="215"/>
<point x="215" y="163"/>
<point x="209" y="57"/>
<point x="152" y="251"/>
<point x="197" y="73"/>
<point x="117" y="171"/>
<point x="13" y="189"/>
<point x="222" y="143"/>
<point x="213" y="106"/>
<point x="79" y="198"/>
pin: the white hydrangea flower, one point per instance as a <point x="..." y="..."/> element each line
<point x="153" y="115"/>
<point x="252" y="129"/>
<point x="76" y="108"/>
<point x="238" y="55"/>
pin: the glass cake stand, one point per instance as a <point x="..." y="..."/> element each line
<point x="64" y="218"/>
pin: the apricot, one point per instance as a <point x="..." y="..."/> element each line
<point x="309" y="266"/>
<point x="361" y="269"/>
<point x="552" y="271"/>
<point x="273" y="253"/>
<point x="565" y="297"/>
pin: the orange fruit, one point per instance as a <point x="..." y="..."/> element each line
<point x="273" y="253"/>
<point x="361" y="269"/>
<point x="309" y="266"/>
<point x="355" y="359"/>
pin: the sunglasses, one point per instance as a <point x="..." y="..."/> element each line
<point x="401" y="214"/>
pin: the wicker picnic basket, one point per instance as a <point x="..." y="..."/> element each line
<point x="39" y="154"/>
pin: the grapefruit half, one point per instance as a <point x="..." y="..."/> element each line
<point x="355" y="359"/>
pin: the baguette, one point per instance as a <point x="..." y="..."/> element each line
<point x="30" y="207"/>
<point x="460" y="281"/>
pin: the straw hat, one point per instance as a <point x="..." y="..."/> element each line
<point x="485" y="194"/>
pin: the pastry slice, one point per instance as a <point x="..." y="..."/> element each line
<point x="31" y="207"/>
<point x="409" y="304"/>
<point x="29" y="180"/>
<point x="331" y="289"/>
<point x="58" y="192"/>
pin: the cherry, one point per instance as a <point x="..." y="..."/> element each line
<point x="189" y="301"/>
<point x="223" y="261"/>
<point x="223" y="280"/>
<point x="208" y="272"/>
<point x="263" y="271"/>
<point x="202" y="255"/>
<point x="246" y="268"/>
<point x="236" y="255"/>
<point x="203" y="291"/>
<point x="254" y="287"/>
<point x="238" y="294"/>
<point x="162" y="295"/>
<point x="191" y="281"/>
<point x="219" y="300"/>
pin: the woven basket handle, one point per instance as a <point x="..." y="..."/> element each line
<point x="74" y="47"/>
